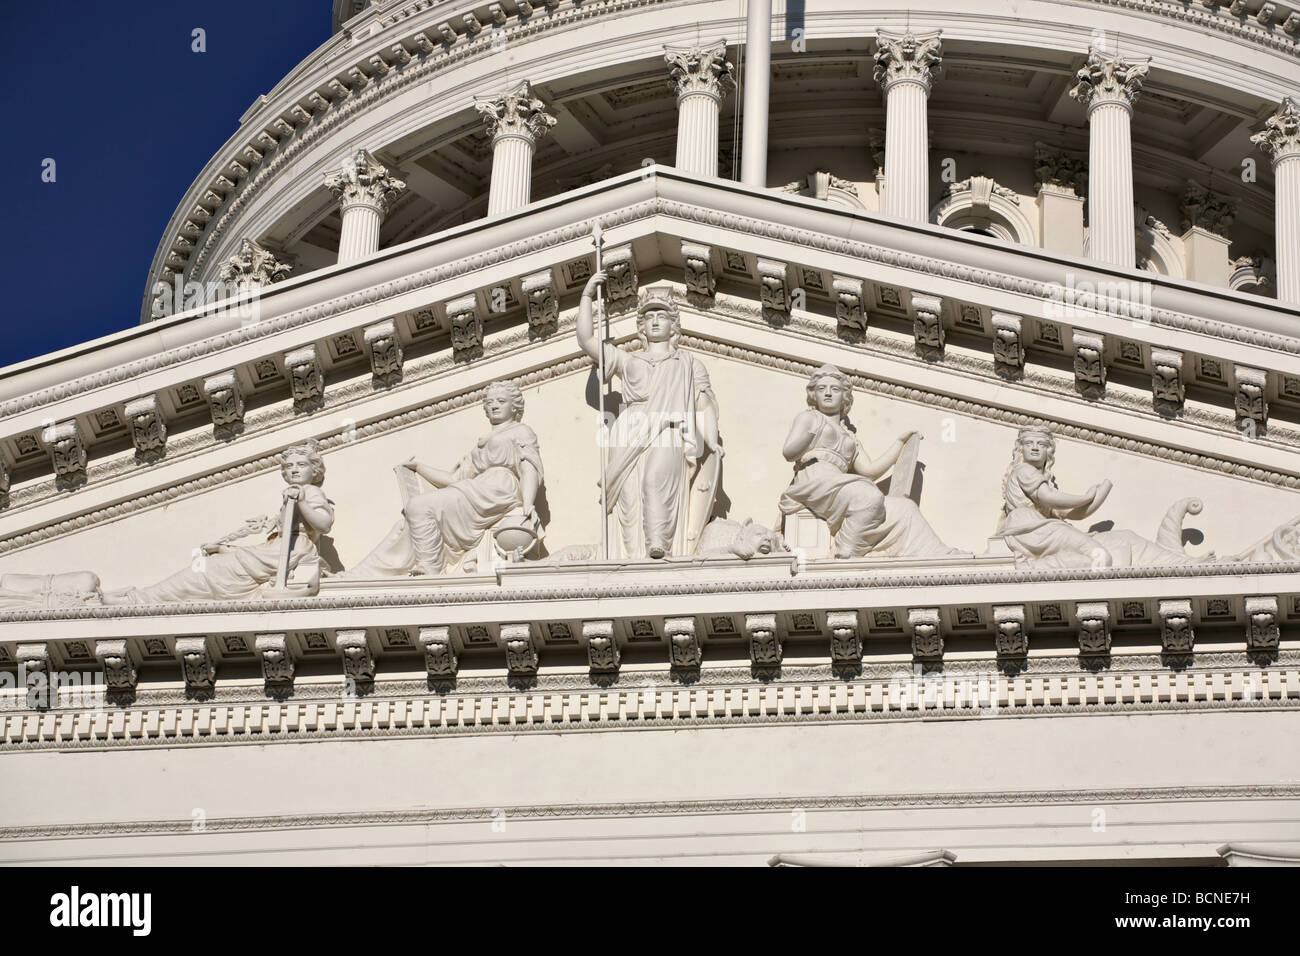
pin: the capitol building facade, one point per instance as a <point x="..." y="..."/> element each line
<point x="663" y="432"/>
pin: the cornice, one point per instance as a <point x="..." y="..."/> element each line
<point x="756" y="804"/>
<point x="686" y="212"/>
<point x="583" y="589"/>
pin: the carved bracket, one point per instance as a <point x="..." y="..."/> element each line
<point x="466" y="328"/>
<point x="148" y="429"/>
<point x="698" y="261"/>
<point x="439" y="652"/>
<point x="1010" y="638"/>
<point x="774" y="290"/>
<point x="1262" y="631"/>
<point x="35" y="668"/>
<point x="226" y="405"/>
<point x="1094" y="627"/>
<point x="385" y="352"/>
<point x="764" y="640"/>
<point x="602" y="648"/>
<point x="1008" y="345"/>
<point x="1167" y="390"/>
<point x="846" y="640"/>
<point x="683" y="646"/>
<point x="621" y="268"/>
<point x="1176" y="633"/>
<point x="543" y="302"/>
<point x="4" y="485"/>
<point x="277" y="661"/>
<point x="927" y="326"/>
<point x="521" y="652"/>
<point x="119" y="670"/>
<point x="306" y="380"/>
<point x="850" y="313"/>
<point x="67" y="454"/>
<point x="197" y="667"/>
<point x="1089" y="365"/>
<point x="1251" y="399"/>
<point x="358" y="662"/>
<point x="927" y="633"/>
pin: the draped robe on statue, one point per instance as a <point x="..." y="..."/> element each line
<point x="237" y="573"/>
<point x="862" y="521"/>
<point x="451" y="521"/>
<point x="662" y="475"/>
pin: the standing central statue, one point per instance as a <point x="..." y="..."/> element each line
<point x="665" y="453"/>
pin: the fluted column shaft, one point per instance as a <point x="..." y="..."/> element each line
<point x="359" y="234"/>
<point x="365" y="191"/>
<point x="904" y="67"/>
<point x="1107" y="86"/>
<point x="512" y="173"/>
<point x="702" y="77"/>
<point x="1280" y="138"/>
<point x="1110" y="184"/>
<point x="516" y="120"/>
<point x="1286" y="178"/>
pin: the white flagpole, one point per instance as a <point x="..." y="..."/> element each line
<point x="598" y="239"/>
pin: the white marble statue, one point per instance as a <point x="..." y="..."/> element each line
<point x="496" y="482"/>
<point x="1036" y="518"/>
<point x="665" y="453"/>
<point x="835" y="480"/>
<point x="225" y="570"/>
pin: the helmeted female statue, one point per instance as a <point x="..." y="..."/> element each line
<point x="665" y="453"/>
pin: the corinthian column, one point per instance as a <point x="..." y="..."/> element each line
<point x="702" y="77"/>
<point x="365" y="191"/>
<point x="1107" y="86"/>
<point x="515" y="120"/>
<point x="1280" y="139"/>
<point x="904" y="66"/>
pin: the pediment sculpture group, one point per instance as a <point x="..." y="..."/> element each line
<point x="662" y="472"/>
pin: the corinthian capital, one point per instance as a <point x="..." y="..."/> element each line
<point x="700" y="69"/>
<point x="253" y="266"/>
<point x="1280" y="136"/>
<point x="363" y="180"/>
<point x="1109" y="78"/>
<point x="515" y="113"/>
<point x="906" y="57"/>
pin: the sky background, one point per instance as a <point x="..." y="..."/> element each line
<point x="130" y="114"/>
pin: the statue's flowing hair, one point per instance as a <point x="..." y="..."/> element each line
<point x="1018" y="458"/>
<point x="831" y="372"/>
<point x="310" y="449"/>
<point x="511" y="391"/>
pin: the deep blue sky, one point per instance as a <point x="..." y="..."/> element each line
<point x="130" y="114"/>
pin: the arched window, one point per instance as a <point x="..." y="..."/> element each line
<point x="981" y="206"/>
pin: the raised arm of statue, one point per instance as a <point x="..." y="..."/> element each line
<point x="588" y="340"/>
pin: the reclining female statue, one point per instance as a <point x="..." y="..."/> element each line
<point x="835" y="480"/>
<point x="225" y="571"/>
<point x="499" y="477"/>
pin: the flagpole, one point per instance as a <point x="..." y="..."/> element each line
<point x="598" y="239"/>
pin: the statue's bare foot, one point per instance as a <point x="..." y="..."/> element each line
<point x="657" y="552"/>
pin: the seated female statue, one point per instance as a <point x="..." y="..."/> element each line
<point x="835" y="480"/>
<point x="500" y="476"/>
